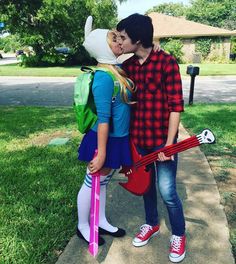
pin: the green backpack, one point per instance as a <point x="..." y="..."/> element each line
<point x="84" y="106"/>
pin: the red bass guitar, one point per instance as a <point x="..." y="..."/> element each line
<point x="139" y="177"/>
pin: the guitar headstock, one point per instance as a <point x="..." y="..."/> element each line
<point x="206" y="137"/>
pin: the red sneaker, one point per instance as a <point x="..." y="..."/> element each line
<point x="146" y="232"/>
<point x="177" y="248"/>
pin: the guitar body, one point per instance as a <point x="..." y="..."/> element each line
<point x="139" y="179"/>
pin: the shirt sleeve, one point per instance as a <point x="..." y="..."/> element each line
<point x="174" y="86"/>
<point x="102" y="88"/>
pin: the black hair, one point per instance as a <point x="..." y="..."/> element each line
<point x="138" y="28"/>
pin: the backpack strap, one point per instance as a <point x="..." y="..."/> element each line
<point x="87" y="69"/>
<point x="94" y="69"/>
<point x="116" y="84"/>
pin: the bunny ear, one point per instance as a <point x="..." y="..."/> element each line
<point x="88" y="26"/>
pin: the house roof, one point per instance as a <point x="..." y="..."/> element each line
<point x="169" y="26"/>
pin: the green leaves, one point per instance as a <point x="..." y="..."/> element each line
<point x="217" y="13"/>
<point x="170" y="9"/>
<point x="174" y="47"/>
<point x="46" y="24"/>
<point x="203" y="45"/>
<point x="214" y="13"/>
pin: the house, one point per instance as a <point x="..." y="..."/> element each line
<point x="188" y="31"/>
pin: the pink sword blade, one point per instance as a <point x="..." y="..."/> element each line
<point x="94" y="213"/>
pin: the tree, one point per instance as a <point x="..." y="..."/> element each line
<point x="46" y="24"/>
<point x="170" y="9"/>
<point x="217" y="13"/>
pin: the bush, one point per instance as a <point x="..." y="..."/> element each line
<point x="80" y="57"/>
<point x="233" y="45"/>
<point x="233" y="241"/>
<point x="10" y="43"/>
<point x="203" y="45"/>
<point x="43" y="60"/>
<point x="216" y="59"/>
<point x="174" y="47"/>
<point x="57" y="59"/>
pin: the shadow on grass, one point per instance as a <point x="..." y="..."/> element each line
<point x="39" y="186"/>
<point x="19" y="122"/>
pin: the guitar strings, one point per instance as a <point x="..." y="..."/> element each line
<point x="169" y="150"/>
<point x="153" y="157"/>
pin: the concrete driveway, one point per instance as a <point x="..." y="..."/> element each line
<point x="58" y="91"/>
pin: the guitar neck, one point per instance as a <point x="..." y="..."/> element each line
<point x="169" y="151"/>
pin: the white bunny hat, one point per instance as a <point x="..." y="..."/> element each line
<point x="96" y="43"/>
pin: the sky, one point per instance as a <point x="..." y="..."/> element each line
<point x="141" y="6"/>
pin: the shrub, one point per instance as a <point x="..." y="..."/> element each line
<point x="10" y="43"/>
<point x="233" y="45"/>
<point x="203" y="45"/>
<point x="43" y="60"/>
<point x="77" y="57"/>
<point x="174" y="47"/>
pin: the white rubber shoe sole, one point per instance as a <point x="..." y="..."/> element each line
<point x="177" y="259"/>
<point x="143" y="243"/>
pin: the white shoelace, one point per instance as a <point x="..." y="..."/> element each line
<point x="176" y="242"/>
<point x="144" y="229"/>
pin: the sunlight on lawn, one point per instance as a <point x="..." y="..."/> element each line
<point x="39" y="139"/>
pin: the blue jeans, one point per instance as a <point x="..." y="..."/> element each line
<point x="165" y="175"/>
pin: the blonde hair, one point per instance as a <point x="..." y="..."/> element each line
<point x="125" y="82"/>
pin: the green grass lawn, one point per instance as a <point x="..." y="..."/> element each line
<point x="39" y="183"/>
<point x="15" y="70"/>
<point x="211" y="69"/>
<point x="221" y="119"/>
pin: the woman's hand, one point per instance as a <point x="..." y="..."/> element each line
<point x="156" y="47"/>
<point x="96" y="164"/>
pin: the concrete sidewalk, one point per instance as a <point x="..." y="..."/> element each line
<point x="207" y="231"/>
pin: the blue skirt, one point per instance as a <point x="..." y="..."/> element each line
<point x="117" y="153"/>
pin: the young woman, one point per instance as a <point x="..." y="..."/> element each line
<point x="110" y="134"/>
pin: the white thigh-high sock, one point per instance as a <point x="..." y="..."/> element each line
<point x="103" y="223"/>
<point x="83" y="206"/>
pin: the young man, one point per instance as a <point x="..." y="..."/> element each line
<point x="155" y="122"/>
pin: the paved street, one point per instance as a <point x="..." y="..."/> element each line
<point x="58" y="91"/>
<point x="45" y="91"/>
<point x="211" y="89"/>
<point x="8" y="59"/>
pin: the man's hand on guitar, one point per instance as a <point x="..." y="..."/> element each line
<point x="162" y="157"/>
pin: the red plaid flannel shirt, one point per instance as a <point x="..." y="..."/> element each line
<point x="159" y="92"/>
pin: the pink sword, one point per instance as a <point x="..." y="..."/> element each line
<point x="94" y="212"/>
